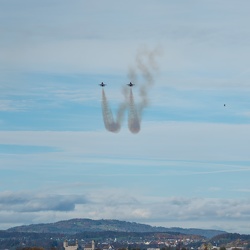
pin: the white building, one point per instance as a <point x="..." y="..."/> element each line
<point x="90" y="246"/>
<point x="67" y="247"/>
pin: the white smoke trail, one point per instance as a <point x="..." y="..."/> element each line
<point x="144" y="71"/>
<point x="133" y="117"/>
<point x="110" y="124"/>
<point x="145" y="68"/>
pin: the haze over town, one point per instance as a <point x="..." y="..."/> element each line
<point x="187" y="166"/>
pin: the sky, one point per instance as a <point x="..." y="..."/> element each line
<point x="179" y="153"/>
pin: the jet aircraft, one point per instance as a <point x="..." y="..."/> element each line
<point x="130" y="84"/>
<point x="102" y="84"/>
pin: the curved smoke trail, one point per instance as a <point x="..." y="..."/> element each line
<point x="110" y="124"/>
<point x="133" y="117"/>
<point x="143" y="70"/>
<point x="147" y="66"/>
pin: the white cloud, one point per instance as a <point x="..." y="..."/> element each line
<point x="244" y="190"/>
<point x="24" y="202"/>
<point x="14" y="105"/>
<point x="182" y="141"/>
<point x="87" y="38"/>
<point x="172" y="211"/>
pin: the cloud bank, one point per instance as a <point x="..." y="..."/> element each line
<point x="188" y="212"/>
<point x="29" y="203"/>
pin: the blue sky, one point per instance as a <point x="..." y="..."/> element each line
<point x="189" y="165"/>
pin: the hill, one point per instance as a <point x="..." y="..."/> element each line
<point x="231" y="240"/>
<point x="74" y="226"/>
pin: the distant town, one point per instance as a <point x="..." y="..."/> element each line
<point x="85" y="234"/>
<point x="166" y="244"/>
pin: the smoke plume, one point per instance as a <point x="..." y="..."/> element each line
<point x="110" y="124"/>
<point x="133" y="117"/>
<point x="145" y="68"/>
<point x="141" y="74"/>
